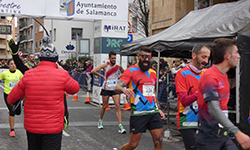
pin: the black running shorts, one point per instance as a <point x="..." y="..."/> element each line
<point x="108" y="93"/>
<point x="139" y="124"/>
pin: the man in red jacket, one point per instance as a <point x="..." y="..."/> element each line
<point x="44" y="88"/>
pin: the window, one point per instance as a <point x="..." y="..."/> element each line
<point x="76" y="31"/>
<point x="40" y="28"/>
<point x="35" y="29"/>
<point x="84" y="46"/>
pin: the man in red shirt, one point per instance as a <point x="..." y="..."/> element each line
<point x="145" y="114"/>
<point x="186" y="82"/>
<point x="213" y="96"/>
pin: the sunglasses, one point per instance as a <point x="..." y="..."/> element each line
<point x="146" y="56"/>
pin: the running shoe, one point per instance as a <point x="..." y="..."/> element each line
<point x="121" y="130"/>
<point x="100" y="126"/>
<point x="12" y="133"/>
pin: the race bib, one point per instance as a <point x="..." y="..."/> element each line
<point x="111" y="82"/>
<point x="225" y="112"/>
<point x="13" y="84"/>
<point x="148" y="90"/>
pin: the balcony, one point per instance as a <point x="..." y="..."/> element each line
<point x="22" y="38"/>
<point x="29" y="22"/>
<point x="3" y="37"/>
<point x="29" y="37"/>
<point x="22" y="25"/>
<point x="3" y="46"/>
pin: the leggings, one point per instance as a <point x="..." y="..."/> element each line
<point x="12" y="112"/>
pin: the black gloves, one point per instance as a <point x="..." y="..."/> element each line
<point x="13" y="47"/>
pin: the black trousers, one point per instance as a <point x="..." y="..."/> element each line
<point x="44" y="141"/>
<point x="189" y="138"/>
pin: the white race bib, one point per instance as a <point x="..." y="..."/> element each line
<point x="111" y="82"/>
<point x="13" y="84"/>
<point x="148" y="90"/>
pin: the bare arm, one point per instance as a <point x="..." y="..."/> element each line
<point x="95" y="70"/>
<point x="120" y="88"/>
<point x="120" y="68"/>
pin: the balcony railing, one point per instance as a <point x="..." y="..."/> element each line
<point x="22" y="25"/>
<point x="21" y="38"/>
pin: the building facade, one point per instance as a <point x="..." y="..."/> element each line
<point x="4" y="49"/>
<point x="164" y="13"/>
<point x="26" y="27"/>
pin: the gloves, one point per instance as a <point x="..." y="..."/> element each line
<point x="66" y="123"/>
<point x="13" y="47"/>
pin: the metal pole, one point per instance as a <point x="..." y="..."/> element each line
<point x="51" y="36"/>
<point x="158" y="73"/>
<point x="77" y="47"/>
<point x="33" y="37"/>
<point x="238" y="93"/>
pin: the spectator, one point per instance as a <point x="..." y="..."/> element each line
<point x="31" y="62"/>
<point x="44" y="128"/>
<point x="163" y="64"/>
<point x="176" y="67"/>
<point x="88" y="74"/>
<point x="183" y="62"/>
<point x="154" y="65"/>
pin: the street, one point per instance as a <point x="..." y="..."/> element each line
<point x="82" y="133"/>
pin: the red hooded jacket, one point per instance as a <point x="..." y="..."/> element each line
<point x="44" y="88"/>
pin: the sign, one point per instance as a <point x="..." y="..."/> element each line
<point x="67" y="9"/>
<point x="112" y="44"/>
<point x="5" y="29"/>
<point x="114" y="29"/>
<point x="20" y="53"/>
<point x="130" y="37"/>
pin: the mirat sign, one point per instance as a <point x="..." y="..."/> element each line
<point x="67" y="9"/>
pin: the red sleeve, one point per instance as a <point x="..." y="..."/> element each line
<point x="126" y="76"/>
<point x="17" y="92"/>
<point x="180" y="83"/>
<point x="71" y="86"/>
<point x="187" y="99"/>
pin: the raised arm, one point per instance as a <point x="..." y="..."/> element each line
<point x="95" y="70"/>
<point x="14" y="50"/>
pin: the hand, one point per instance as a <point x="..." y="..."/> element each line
<point x="243" y="139"/>
<point x="104" y="78"/>
<point x="13" y="47"/>
<point x="128" y="92"/>
<point x="161" y="114"/>
<point x="58" y="66"/>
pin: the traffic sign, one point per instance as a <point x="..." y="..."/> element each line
<point x="130" y="38"/>
<point x="20" y="53"/>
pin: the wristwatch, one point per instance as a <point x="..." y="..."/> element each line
<point x="234" y="131"/>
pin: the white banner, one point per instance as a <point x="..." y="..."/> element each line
<point x="67" y="9"/>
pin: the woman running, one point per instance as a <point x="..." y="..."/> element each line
<point x="11" y="78"/>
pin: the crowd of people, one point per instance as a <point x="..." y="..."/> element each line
<point x="202" y="96"/>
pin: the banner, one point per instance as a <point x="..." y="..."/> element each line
<point x="67" y="9"/>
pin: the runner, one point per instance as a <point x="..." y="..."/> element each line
<point x="11" y="78"/>
<point x="186" y="82"/>
<point x="31" y="62"/>
<point x="213" y="96"/>
<point x="111" y="70"/>
<point x="145" y="112"/>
